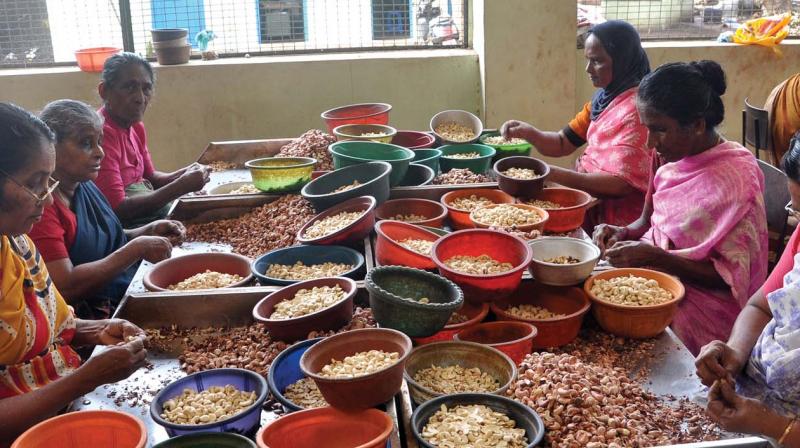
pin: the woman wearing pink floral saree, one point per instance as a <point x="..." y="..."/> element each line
<point x="704" y="218"/>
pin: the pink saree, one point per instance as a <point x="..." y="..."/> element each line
<point x="710" y="207"/>
<point x="617" y="145"/>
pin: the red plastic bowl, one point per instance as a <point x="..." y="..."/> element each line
<point x="388" y="250"/>
<point x="328" y="427"/>
<point x="413" y="139"/>
<point x="104" y="428"/>
<point x="460" y="218"/>
<point x="476" y="314"/>
<point x="501" y="246"/>
<point x="366" y="113"/>
<point x="513" y="338"/>
<point x="432" y="210"/>
<point x="92" y="59"/>
<point x="570" y="217"/>
<point x="354" y="232"/>
<point x="178" y="269"/>
<point x="572" y="302"/>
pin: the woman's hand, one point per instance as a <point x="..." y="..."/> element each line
<point x="152" y="248"/>
<point x="116" y="362"/>
<point x="516" y="129"/>
<point x="195" y="177"/>
<point x="172" y="230"/>
<point x="605" y="236"/>
<point x="631" y="254"/>
<point x="736" y="413"/>
<point x="105" y="332"/>
<point x="719" y="361"/>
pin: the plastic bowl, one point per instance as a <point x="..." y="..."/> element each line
<point x="245" y="423"/>
<point x="475" y="313"/>
<point x="388" y="250"/>
<point x="289" y="330"/>
<point x="226" y="189"/>
<point x="436" y="230"/>
<point x="92" y="59"/>
<point x="501" y="246"/>
<point x="428" y="157"/>
<point x="357" y="131"/>
<point x="413" y="139"/>
<point x="417" y="176"/>
<point x="526" y="188"/>
<point x="353" y="232"/>
<point x="394" y="294"/>
<point x="562" y="274"/>
<point x="461" y="117"/>
<point x="522" y="228"/>
<point x="373" y="177"/>
<point x="513" y="338"/>
<point x="572" y="212"/>
<point x="309" y="255"/>
<point x="460" y="218"/>
<point x="433" y="211"/>
<point x="571" y="302"/>
<point x="327" y="427"/>
<point x="363" y="391"/>
<point x="165" y="34"/>
<point x="112" y="429"/>
<point x="354" y="153"/>
<point x="637" y="322"/>
<point x="478" y="165"/>
<point x="364" y="113"/>
<point x="465" y="354"/>
<point x="208" y="440"/>
<point x="175" y="270"/>
<point x="503" y="151"/>
<point x="285" y="371"/>
<point x="281" y="174"/>
<point x="179" y="42"/>
<point x="524" y="416"/>
<point x="174" y="55"/>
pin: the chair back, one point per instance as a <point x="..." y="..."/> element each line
<point x="755" y="128"/>
<point x="776" y="196"/>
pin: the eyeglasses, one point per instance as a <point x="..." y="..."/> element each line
<point x="52" y="184"/>
<point x="791" y="210"/>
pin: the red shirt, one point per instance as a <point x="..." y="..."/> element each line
<point x="127" y="159"/>
<point x="55" y="233"/>
<point x="784" y="265"/>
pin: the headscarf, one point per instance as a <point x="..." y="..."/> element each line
<point x="630" y="63"/>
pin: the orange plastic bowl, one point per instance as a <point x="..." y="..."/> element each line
<point x="460" y="218"/>
<point x="540" y="225"/>
<point x="107" y="429"/>
<point x="475" y="313"/>
<point x="366" y="113"/>
<point x="513" y="338"/>
<point x="572" y="212"/>
<point x="433" y="211"/>
<point x="388" y="250"/>
<point x="92" y="59"/>
<point x="328" y="427"/>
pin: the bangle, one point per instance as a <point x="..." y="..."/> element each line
<point x="786" y="431"/>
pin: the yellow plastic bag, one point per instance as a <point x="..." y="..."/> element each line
<point x="766" y="31"/>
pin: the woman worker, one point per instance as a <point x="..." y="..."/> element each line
<point x="136" y="191"/>
<point x="40" y="372"/>
<point x="615" y="165"/>
<point x="90" y="257"/>
<point x="704" y="219"/>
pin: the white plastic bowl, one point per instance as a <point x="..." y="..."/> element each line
<point x="461" y="117"/>
<point x="562" y="274"/>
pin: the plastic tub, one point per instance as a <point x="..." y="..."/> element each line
<point x="417" y="176"/>
<point x="174" y="55"/>
<point x="388" y="250"/>
<point x="562" y="274"/>
<point x="373" y="178"/>
<point x="433" y="211"/>
<point x="285" y="371"/>
<point x="355" y="153"/>
<point x="357" y="131"/>
<point x="513" y="338"/>
<point x="245" y="423"/>
<point x="526" y="188"/>
<point x="174" y="270"/>
<point x="428" y="157"/>
<point x="208" y="440"/>
<point x="460" y="218"/>
<point x="539" y="225"/>
<point x="281" y="174"/>
<point x="461" y="117"/>
<point x="309" y="255"/>
<point x="478" y="165"/>
<point x="92" y="59"/>
<point x="107" y="429"/>
<point x="572" y="213"/>
<point x="365" y="113"/>
<point x="327" y="427"/>
<point x="353" y="232"/>
<point x="503" y="151"/>
<point x="413" y="139"/>
<point x="475" y="313"/>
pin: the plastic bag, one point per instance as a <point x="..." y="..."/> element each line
<point x="766" y="31"/>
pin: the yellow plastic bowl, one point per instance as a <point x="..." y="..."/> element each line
<point x="357" y="131"/>
<point x="281" y="174"/>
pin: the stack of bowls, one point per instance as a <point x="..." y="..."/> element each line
<point x="171" y="45"/>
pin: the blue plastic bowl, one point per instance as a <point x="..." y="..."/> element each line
<point x="245" y="423"/>
<point x="285" y="371"/>
<point x="208" y="440"/>
<point x="308" y="255"/>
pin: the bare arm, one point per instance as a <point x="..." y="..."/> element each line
<point x="750" y="323"/>
<point x="599" y="185"/>
<point x="160" y="179"/>
<point x="551" y="144"/>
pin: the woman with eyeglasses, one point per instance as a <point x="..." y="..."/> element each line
<point x="40" y="372"/>
<point x="753" y="376"/>
<point x="138" y="193"/>
<point x="91" y="258"/>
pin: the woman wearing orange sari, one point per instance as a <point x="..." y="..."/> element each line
<point x="783" y="106"/>
<point x="40" y="372"/>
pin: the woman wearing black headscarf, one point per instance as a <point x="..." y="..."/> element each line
<point x="615" y="165"/>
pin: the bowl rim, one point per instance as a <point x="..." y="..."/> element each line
<point x="434" y="156"/>
<point x="273" y="388"/>
<point x="509" y="159"/>
<point x="57" y="420"/>
<point x="335" y="145"/>
<point x="469" y="191"/>
<point x="454" y="149"/>
<point x="418" y="200"/>
<point x="386" y="173"/>
<point x="150" y="286"/>
<point x="486" y="135"/>
<point x="408" y="345"/>
<point x="350" y="293"/>
<point x="587" y="286"/>
<point x="588" y="199"/>
<point x="419" y="166"/>
<point x="256" y="404"/>
<point x="534" y="331"/>
<point x="298" y="414"/>
<point x="440" y="263"/>
<point x="569" y="240"/>
<point x="329" y="212"/>
<point x="390" y="131"/>
<point x="381" y="233"/>
<point x="473" y="118"/>
<point x="429" y="139"/>
<point x="386" y="106"/>
<point x="238" y="183"/>
<point x="540" y="211"/>
<point x="97" y="50"/>
<point x="497" y="309"/>
<point x="484" y="311"/>
<point x="370" y="283"/>
<point x="334" y="247"/>
<point x="302" y="162"/>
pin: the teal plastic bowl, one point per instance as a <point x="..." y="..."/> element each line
<point x="428" y="157"/>
<point x="523" y="149"/>
<point x="353" y="153"/>
<point x="478" y="165"/>
<point x="208" y="440"/>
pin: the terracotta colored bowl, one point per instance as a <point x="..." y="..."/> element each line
<point x="98" y="428"/>
<point x="513" y="338"/>
<point x="460" y="218"/>
<point x="572" y="212"/>
<point x="525" y="188"/>
<point x="388" y="250"/>
<point x="327" y="427"/>
<point x="364" y="391"/>
<point x="289" y="330"/>
<point x="638" y="322"/>
<point x="522" y="228"/>
<point x="175" y="270"/>
<point x="433" y="212"/>
<point x="572" y="302"/>
<point x="475" y="313"/>
<point x="353" y="232"/>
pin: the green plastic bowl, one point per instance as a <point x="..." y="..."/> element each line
<point x="428" y="157"/>
<point x="478" y="165"/>
<point x="523" y="149"/>
<point x="281" y="174"/>
<point x="353" y="153"/>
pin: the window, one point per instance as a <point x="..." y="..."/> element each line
<point x="391" y="19"/>
<point x="281" y="21"/>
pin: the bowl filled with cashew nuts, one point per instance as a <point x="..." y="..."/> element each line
<point x="349" y="222"/>
<point x="294" y="264"/>
<point x="518" y="217"/>
<point x="289" y="385"/>
<point x="403" y="244"/>
<point x="199" y="271"/>
<point x="474" y="157"/>
<point x="468" y="315"/>
<point x="422" y="212"/>
<point x="217" y="400"/>
<point x="521" y="176"/>
<point x="562" y="261"/>
<point x="634" y="302"/>
<point x="456" y="126"/>
<point x="460" y="203"/>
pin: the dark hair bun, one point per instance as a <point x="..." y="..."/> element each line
<point x="713" y="74"/>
